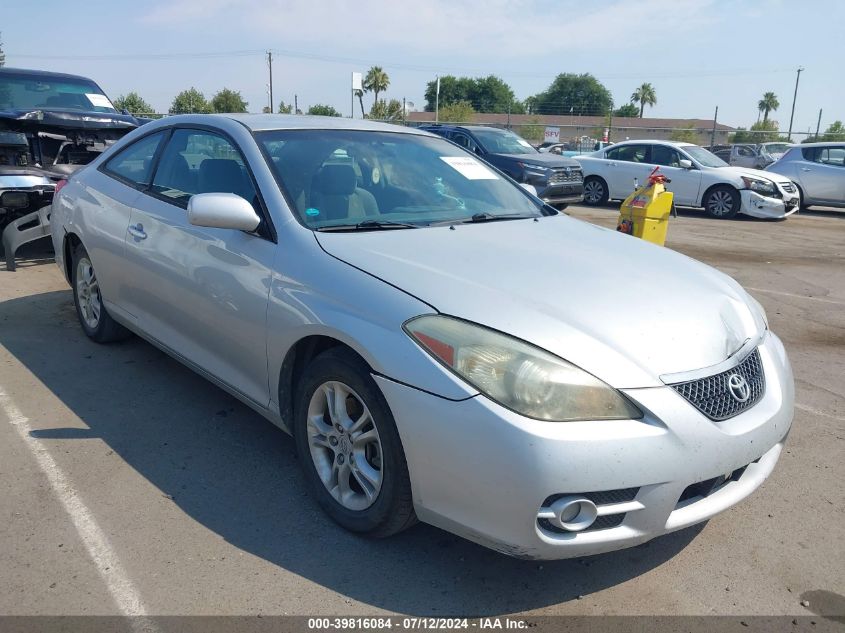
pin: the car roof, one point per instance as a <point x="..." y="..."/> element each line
<point x="654" y="142"/>
<point x="41" y="73"/>
<point x="463" y="127"/>
<point x="821" y="144"/>
<point x="266" y="122"/>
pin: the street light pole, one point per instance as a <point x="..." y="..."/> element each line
<point x="794" y="97"/>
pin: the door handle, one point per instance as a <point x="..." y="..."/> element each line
<point x="137" y="231"/>
<point x="806" y="169"/>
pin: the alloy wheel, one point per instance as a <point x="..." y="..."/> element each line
<point x="345" y="445"/>
<point x="593" y="192"/>
<point x="88" y="293"/>
<point x="720" y="203"/>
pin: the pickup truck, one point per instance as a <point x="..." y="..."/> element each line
<point x="51" y="124"/>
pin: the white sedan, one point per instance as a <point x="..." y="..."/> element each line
<point x="699" y="179"/>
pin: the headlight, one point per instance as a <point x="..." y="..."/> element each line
<point x="517" y="375"/>
<point x="763" y="187"/>
<point x="535" y="170"/>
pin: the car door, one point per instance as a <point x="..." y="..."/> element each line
<point x="685" y="182"/>
<point x="744" y="156"/>
<point x="110" y="193"/>
<point x="627" y="167"/>
<point x="822" y="173"/>
<point x="202" y="292"/>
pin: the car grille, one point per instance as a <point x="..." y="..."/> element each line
<point x="788" y="187"/>
<point x="566" y="174"/>
<point x="703" y="489"/>
<point x="715" y="398"/>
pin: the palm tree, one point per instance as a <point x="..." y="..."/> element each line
<point x="376" y="81"/>
<point x="768" y="103"/>
<point x="360" y="95"/>
<point x="644" y="95"/>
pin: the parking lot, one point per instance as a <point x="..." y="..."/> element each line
<point x="130" y="484"/>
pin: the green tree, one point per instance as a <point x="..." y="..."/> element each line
<point x="190" y="101"/>
<point x="629" y="110"/>
<point x="532" y="130"/>
<point x="768" y="103"/>
<point x="133" y="103"/>
<point x="285" y="109"/>
<point x="645" y="96"/>
<point x="576" y="94"/>
<point x="228" y="101"/>
<point x="684" y="134"/>
<point x="834" y="132"/>
<point x="2" y="54"/>
<point x="486" y="94"/>
<point x="320" y="109"/>
<point x="360" y="95"/>
<point x="460" y="112"/>
<point x="387" y="110"/>
<point x="376" y="81"/>
<point x="760" y="132"/>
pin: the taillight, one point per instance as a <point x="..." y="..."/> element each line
<point x="60" y="185"/>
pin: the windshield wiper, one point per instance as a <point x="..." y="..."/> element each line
<point x="494" y="217"/>
<point x="369" y="225"/>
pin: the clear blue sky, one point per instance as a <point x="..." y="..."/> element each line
<point x="696" y="53"/>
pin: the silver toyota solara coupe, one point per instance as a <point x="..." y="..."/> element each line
<point x="440" y="344"/>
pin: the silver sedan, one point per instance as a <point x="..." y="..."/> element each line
<point x="441" y="344"/>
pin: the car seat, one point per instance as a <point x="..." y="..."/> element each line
<point x="335" y="194"/>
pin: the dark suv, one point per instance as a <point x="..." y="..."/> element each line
<point x="558" y="180"/>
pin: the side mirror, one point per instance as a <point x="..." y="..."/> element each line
<point x="685" y="164"/>
<point x="222" y="211"/>
<point x="529" y="188"/>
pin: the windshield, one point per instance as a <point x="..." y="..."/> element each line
<point x="21" y="91"/>
<point x="704" y="157"/>
<point x="348" y="177"/>
<point x="502" y="142"/>
<point x="775" y="148"/>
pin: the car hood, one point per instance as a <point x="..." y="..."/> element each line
<point x="752" y="173"/>
<point x="545" y="159"/>
<point x="101" y="124"/>
<point x="622" y="309"/>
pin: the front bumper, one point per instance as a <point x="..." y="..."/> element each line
<point x="568" y="193"/>
<point x="758" y="206"/>
<point x="484" y="472"/>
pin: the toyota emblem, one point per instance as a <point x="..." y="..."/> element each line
<point x="738" y="386"/>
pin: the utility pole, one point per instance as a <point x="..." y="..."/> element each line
<point x="295" y="104"/>
<point x="437" y="102"/>
<point x="713" y="133"/>
<point x="509" y="115"/>
<point x="609" y="121"/>
<point x="404" y="111"/>
<point x="818" y="124"/>
<point x="270" y="62"/>
<point x="794" y="97"/>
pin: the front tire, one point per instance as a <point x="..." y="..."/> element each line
<point x="349" y="448"/>
<point x="722" y="202"/>
<point x="595" y="191"/>
<point x="95" y="320"/>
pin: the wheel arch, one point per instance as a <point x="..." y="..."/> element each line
<point x="71" y="241"/>
<point x="716" y="185"/>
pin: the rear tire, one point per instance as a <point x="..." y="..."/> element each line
<point x="349" y="448"/>
<point x="95" y="320"/>
<point x="595" y="191"/>
<point x="722" y="202"/>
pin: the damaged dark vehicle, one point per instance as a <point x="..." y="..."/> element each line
<point x="51" y="124"/>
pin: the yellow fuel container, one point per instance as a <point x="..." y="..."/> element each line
<point x="645" y="213"/>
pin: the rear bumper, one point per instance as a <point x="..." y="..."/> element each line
<point x="485" y="473"/>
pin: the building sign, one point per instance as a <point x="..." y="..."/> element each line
<point x="552" y="135"/>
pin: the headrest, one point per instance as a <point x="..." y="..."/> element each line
<point x="336" y="180"/>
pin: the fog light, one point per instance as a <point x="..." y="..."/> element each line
<point x="573" y="513"/>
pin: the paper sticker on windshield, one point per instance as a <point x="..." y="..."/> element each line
<point x="469" y="168"/>
<point x="99" y="101"/>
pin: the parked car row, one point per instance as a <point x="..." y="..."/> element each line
<point x="754" y="155"/>
<point x="698" y="179"/>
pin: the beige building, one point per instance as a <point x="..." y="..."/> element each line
<point x="572" y="128"/>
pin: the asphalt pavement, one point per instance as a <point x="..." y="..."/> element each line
<point x="129" y="484"/>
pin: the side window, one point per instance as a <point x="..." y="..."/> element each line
<point x="831" y="156"/>
<point x="198" y="161"/>
<point x="134" y="164"/>
<point x="746" y="151"/>
<point x="463" y="140"/>
<point x="630" y="153"/>
<point x="665" y="155"/>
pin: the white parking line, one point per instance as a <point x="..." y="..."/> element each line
<point x="121" y="588"/>
<point x="789" y="294"/>
<point x="814" y="411"/>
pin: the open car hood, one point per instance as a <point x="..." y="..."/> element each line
<point x="102" y="124"/>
